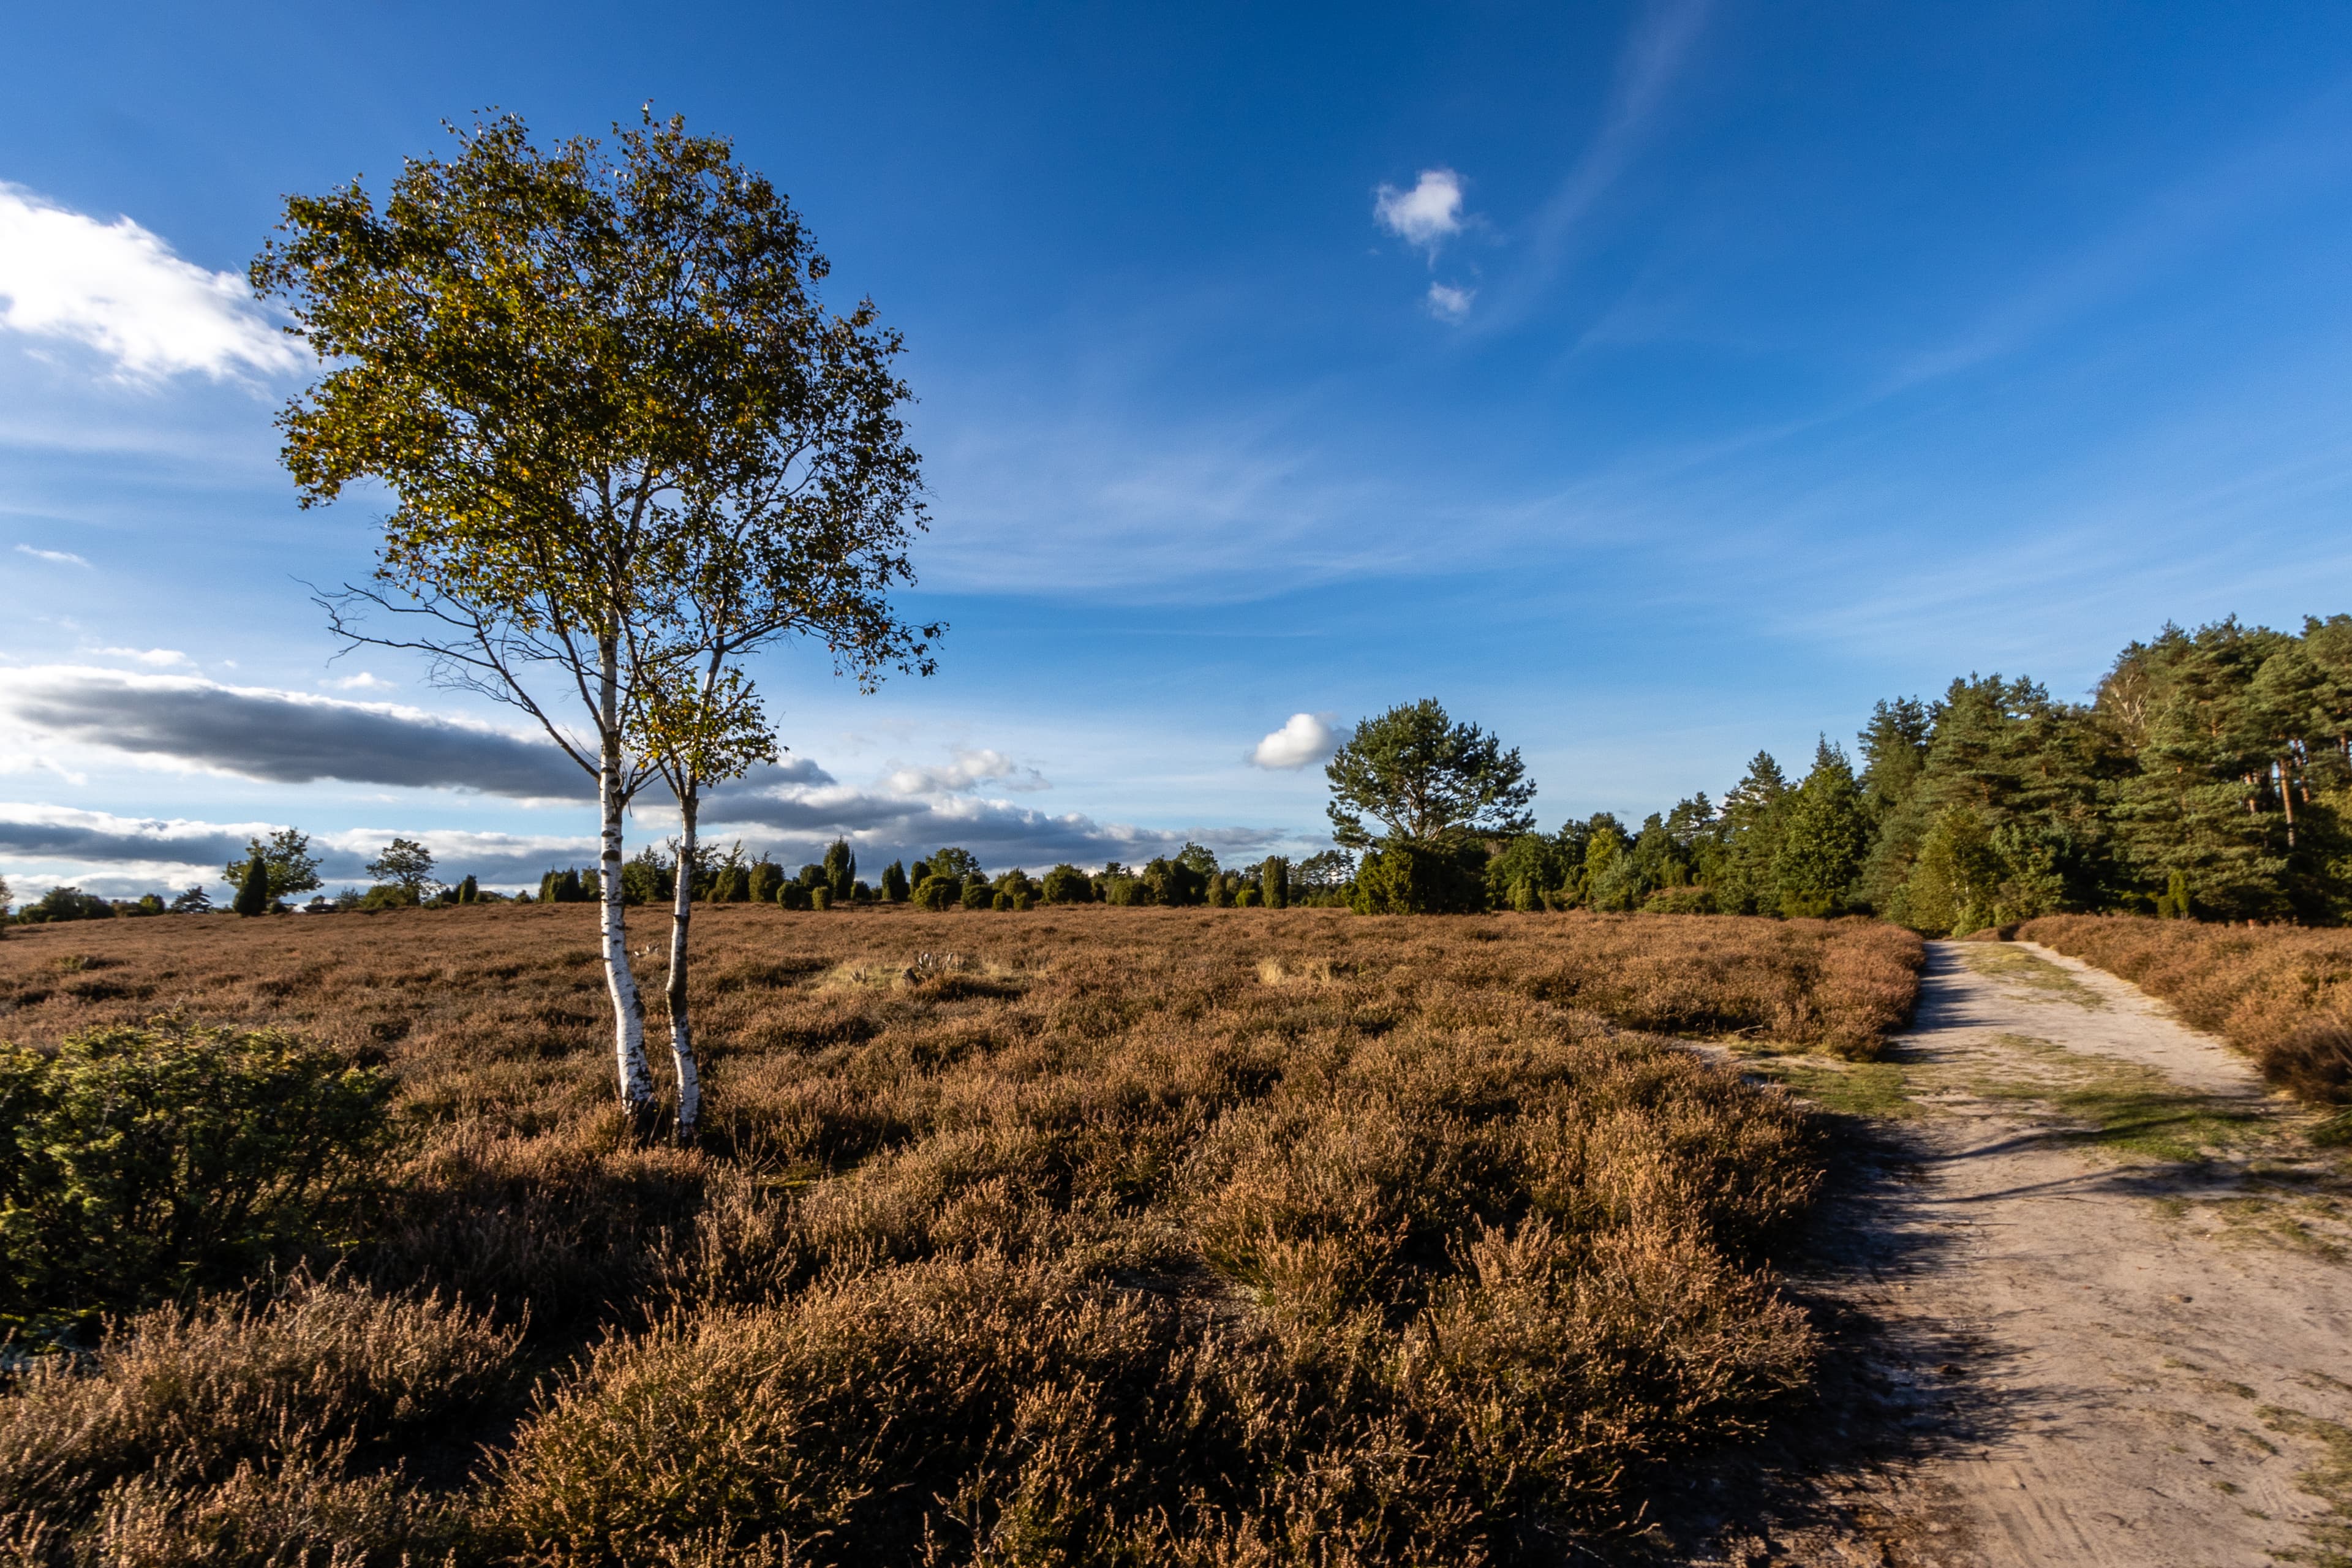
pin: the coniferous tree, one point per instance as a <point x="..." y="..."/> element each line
<point x="1274" y="882"/>
<point x="253" y="888"/>
<point x="1825" y="834"/>
<point x="840" y="870"/>
<point x="895" y="884"/>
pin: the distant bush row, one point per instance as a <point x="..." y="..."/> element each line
<point x="955" y="879"/>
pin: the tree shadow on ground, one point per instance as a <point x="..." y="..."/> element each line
<point x="1892" y="1389"/>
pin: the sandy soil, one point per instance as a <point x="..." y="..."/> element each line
<point x="2090" y="1295"/>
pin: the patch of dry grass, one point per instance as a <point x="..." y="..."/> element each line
<point x="1173" y="1236"/>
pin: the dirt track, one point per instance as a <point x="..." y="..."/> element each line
<point x="2096" y="1294"/>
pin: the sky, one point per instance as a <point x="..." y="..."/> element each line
<point x="1651" y="383"/>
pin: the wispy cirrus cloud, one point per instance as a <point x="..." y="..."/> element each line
<point x="119" y="288"/>
<point x="55" y="557"/>
<point x="1653" y="56"/>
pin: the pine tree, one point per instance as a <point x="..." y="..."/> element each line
<point x="1826" y="833"/>
<point x="253" y="890"/>
<point x="1741" y="868"/>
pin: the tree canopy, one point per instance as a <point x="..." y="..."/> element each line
<point x="1425" y="779"/>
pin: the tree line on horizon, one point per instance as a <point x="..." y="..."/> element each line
<point x="2210" y="775"/>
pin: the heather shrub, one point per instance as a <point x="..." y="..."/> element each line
<point x="1160" y="1236"/>
<point x="239" y="1433"/>
<point x="2314" y="1063"/>
<point x="141" y="1161"/>
<point x="2281" y="993"/>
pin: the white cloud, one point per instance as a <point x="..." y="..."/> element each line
<point x="161" y="657"/>
<point x="1304" y="737"/>
<point x="119" y="288"/>
<point x="1448" y="303"/>
<point x="970" y="770"/>
<point x="61" y="557"/>
<point x="362" y="681"/>
<point x="1425" y="214"/>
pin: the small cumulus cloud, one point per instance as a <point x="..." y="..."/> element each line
<point x="1304" y="737"/>
<point x="362" y="681"/>
<point x="118" y="288"/>
<point x="971" y="769"/>
<point x="1425" y="215"/>
<point x="56" y="557"/>
<point x="159" y="658"/>
<point x="1448" y="303"/>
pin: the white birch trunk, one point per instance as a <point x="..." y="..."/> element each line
<point x="681" y="1026"/>
<point x="628" y="1007"/>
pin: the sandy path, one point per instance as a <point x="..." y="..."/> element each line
<point x="2087" y="1342"/>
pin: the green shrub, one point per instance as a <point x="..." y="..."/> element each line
<point x="1066" y="884"/>
<point x="1399" y="878"/>
<point x="1681" y="901"/>
<point x="894" y="886"/>
<point x="1024" y="901"/>
<point x="977" y="895"/>
<point x="386" y="896"/>
<point x="935" y="892"/>
<point x="1274" y="882"/>
<point x="65" y="904"/>
<point x="1247" y="899"/>
<point x="567" y="887"/>
<point x="840" y="870"/>
<point x="820" y="898"/>
<point x="1176" y="882"/>
<point x="766" y="877"/>
<point x="136" y="1163"/>
<point x="253" y="890"/>
<point x="792" y="896"/>
<point x="1125" y="892"/>
<point x="999" y="901"/>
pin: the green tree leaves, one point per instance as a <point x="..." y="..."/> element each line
<point x="1426" y="780"/>
<point x="137" y="1162"/>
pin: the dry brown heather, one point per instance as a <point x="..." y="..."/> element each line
<point x="1184" y="1237"/>
<point x="2281" y="993"/>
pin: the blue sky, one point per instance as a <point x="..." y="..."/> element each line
<point x="1652" y="383"/>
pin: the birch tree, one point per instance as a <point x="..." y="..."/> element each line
<point x="551" y="362"/>
<point x="805" y="540"/>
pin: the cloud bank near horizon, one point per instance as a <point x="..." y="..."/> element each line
<point x="282" y="736"/>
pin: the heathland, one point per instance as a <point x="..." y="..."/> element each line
<point x="1156" y="1236"/>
